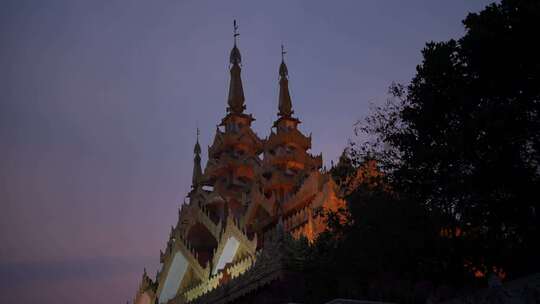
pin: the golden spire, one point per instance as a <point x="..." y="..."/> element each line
<point x="236" y="91"/>
<point x="284" y="103"/>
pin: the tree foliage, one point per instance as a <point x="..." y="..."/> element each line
<point x="459" y="148"/>
<point x="463" y="137"/>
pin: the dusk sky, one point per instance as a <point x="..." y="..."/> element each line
<point x="99" y="102"/>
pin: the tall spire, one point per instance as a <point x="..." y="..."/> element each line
<point x="284" y="104"/>
<point x="236" y="91"/>
<point x="197" y="170"/>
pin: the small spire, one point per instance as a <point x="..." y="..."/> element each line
<point x="236" y="57"/>
<point x="197" y="170"/>
<point x="283" y="72"/>
<point x="235" y="31"/>
<point x="197" y="149"/>
<point x="236" y="91"/>
<point x="284" y="103"/>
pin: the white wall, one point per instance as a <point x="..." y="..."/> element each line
<point x="176" y="272"/>
<point x="227" y="255"/>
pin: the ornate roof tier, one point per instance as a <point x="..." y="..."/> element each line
<point x="292" y="136"/>
<point x="243" y="142"/>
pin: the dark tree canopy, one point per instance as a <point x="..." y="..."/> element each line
<point x="459" y="149"/>
<point x="464" y="136"/>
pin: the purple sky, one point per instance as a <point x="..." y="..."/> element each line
<point x="99" y="101"/>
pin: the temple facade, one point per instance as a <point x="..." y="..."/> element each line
<point x="253" y="193"/>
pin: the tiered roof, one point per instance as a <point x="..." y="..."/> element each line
<point x="226" y="231"/>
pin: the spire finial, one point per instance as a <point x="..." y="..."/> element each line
<point x="235" y="31"/>
<point x="235" y="57"/>
<point x="283" y="72"/>
<point x="284" y="103"/>
<point x="236" y="91"/>
<point x="197" y="170"/>
<point x="197" y="149"/>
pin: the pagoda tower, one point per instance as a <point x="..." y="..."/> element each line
<point x="233" y="161"/>
<point x="290" y="176"/>
<point x="286" y="160"/>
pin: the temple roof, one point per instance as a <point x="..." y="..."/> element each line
<point x="292" y="136"/>
<point x="224" y="140"/>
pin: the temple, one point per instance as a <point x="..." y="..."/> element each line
<point x="253" y="194"/>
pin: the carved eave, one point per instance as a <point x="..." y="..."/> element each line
<point x="234" y="229"/>
<point x="292" y="136"/>
<point x="181" y="246"/>
<point x="189" y="215"/>
<point x="282" y="119"/>
<point x="147" y="284"/>
<point x="200" y="214"/>
<point x="214" y="197"/>
<point x="259" y="201"/>
<point x="245" y="168"/>
<point x="218" y="140"/>
<point x="257" y="142"/>
<point x="297" y="161"/>
<point x="248" y="118"/>
<point x="245" y="139"/>
<point x="198" y="193"/>
<point x="280" y="181"/>
<point x="310" y="186"/>
<point x="213" y="170"/>
<point x="317" y="161"/>
<point x="247" y="275"/>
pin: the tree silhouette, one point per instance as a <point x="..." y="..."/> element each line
<point x="463" y="137"/>
<point x="459" y="151"/>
